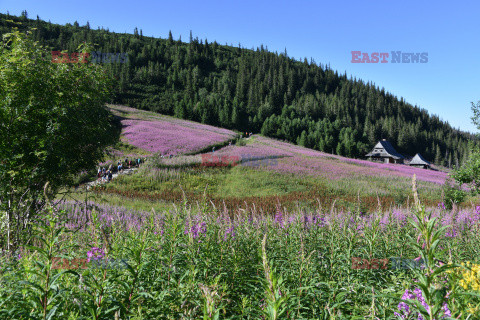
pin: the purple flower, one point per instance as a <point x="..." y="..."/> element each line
<point x="279" y="218"/>
<point x="404" y="308"/>
<point x="95" y="254"/>
<point x="230" y="231"/>
<point x="196" y="229"/>
<point x="451" y="234"/>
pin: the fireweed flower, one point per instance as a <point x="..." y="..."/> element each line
<point x="476" y="216"/>
<point x="420" y="298"/>
<point x="229" y="232"/>
<point x="290" y="221"/>
<point x="197" y="229"/>
<point x="95" y="254"/>
<point x="404" y="308"/>
<point x="451" y="233"/>
<point x="279" y="218"/>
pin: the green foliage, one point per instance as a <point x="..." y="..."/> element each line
<point x="241" y="142"/>
<point x="476" y="114"/>
<point x="194" y="262"/>
<point x="53" y="123"/>
<point x="275" y="299"/>
<point x="43" y="287"/>
<point x="469" y="173"/>
<point x="453" y="193"/>
<point x="429" y="280"/>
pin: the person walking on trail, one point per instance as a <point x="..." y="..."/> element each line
<point x="119" y="166"/>
<point x="213" y="149"/>
<point x="110" y="175"/>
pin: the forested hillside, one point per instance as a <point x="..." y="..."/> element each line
<point x="258" y="91"/>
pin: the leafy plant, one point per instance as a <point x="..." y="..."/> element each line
<point x="53" y="125"/>
<point x="453" y="194"/>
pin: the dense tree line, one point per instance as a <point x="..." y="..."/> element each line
<point x="258" y="91"/>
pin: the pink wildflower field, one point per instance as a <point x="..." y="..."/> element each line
<point x="303" y="161"/>
<point x="156" y="133"/>
<point x="167" y="135"/>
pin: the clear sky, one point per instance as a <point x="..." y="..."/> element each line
<point x="326" y="31"/>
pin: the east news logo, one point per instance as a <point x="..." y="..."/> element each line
<point x="396" y="57"/>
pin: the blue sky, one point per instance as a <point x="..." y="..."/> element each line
<point x="326" y="31"/>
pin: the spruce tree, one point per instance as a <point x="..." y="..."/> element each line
<point x="438" y="156"/>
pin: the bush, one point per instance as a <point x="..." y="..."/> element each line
<point x="453" y="193"/>
<point x="241" y="142"/>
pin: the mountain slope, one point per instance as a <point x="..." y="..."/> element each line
<point x="258" y="91"/>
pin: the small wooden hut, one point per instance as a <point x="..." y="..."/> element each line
<point x="419" y="161"/>
<point x="385" y="152"/>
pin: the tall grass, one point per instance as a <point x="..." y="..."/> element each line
<point x="197" y="261"/>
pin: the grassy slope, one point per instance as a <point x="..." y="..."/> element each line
<point x="298" y="176"/>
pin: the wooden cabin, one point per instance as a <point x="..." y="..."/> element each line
<point x="385" y="152"/>
<point x="419" y="161"/>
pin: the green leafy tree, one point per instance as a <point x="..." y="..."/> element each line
<point x="53" y="124"/>
<point x="469" y="172"/>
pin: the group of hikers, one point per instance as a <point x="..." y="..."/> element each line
<point x="106" y="174"/>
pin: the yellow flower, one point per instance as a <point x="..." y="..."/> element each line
<point x="470" y="278"/>
<point x="471" y="309"/>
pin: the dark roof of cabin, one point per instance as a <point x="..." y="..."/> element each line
<point x="419" y="160"/>
<point x="385" y="150"/>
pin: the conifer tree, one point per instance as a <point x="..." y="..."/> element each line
<point x="438" y="156"/>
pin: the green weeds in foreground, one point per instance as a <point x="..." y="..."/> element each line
<point x="187" y="264"/>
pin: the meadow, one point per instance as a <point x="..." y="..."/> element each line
<point x="198" y="261"/>
<point x="263" y="172"/>
<point x="272" y="234"/>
